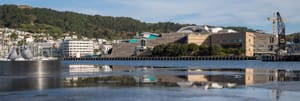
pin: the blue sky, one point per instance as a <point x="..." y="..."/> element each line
<point x="248" y="13"/>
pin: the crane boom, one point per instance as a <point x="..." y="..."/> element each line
<point x="281" y="32"/>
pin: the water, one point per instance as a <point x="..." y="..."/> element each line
<point x="198" y="64"/>
<point x="157" y="81"/>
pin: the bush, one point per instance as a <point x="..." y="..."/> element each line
<point x="176" y="49"/>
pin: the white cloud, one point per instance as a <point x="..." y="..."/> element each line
<point x="216" y="12"/>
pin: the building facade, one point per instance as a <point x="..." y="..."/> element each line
<point x="265" y="44"/>
<point x="244" y="40"/>
<point x="72" y="48"/>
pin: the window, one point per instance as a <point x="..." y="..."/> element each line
<point x="271" y="39"/>
<point x="270" y="47"/>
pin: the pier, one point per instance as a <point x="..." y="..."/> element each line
<point x="281" y="58"/>
<point x="160" y="58"/>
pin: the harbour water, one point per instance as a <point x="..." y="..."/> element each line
<point x="156" y="81"/>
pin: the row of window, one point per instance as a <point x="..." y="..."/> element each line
<point x="233" y="40"/>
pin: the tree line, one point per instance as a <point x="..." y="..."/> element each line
<point x="178" y="49"/>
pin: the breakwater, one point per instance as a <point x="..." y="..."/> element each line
<point x="162" y="58"/>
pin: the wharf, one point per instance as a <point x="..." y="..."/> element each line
<point x="160" y="58"/>
<point x="281" y="58"/>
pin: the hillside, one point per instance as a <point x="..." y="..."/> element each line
<point x="294" y="37"/>
<point x="54" y="22"/>
<point x="44" y="20"/>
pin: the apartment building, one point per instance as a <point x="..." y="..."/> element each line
<point x="76" y="48"/>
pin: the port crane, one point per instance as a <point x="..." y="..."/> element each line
<point x="279" y="23"/>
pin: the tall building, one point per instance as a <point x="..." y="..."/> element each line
<point x="72" y="48"/>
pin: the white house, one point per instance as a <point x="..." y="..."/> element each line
<point x="29" y="40"/>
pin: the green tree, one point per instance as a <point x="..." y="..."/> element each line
<point x="183" y="50"/>
<point x="193" y="49"/>
<point x="217" y="50"/>
<point x="159" y="50"/>
<point x="203" y="51"/>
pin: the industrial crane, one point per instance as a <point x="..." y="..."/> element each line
<point x="281" y="32"/>
<point x="278" y="21"/>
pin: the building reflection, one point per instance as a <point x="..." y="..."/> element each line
<point x="36" y="83"/>
<point x="259" y="76"/>
<point x="215" y="78"/>
<point x="88" y="68"/>
<point x="248" y="76"/>
<point x="162" y="76"/>
<point x="199" y="77"/>
<point x="34" y="78"/>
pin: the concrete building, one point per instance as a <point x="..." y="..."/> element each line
<point x="244" y="40"/>
<point x="72" y="48"/>
<point x="265" y="43"/>
<point x="129" y="49"/>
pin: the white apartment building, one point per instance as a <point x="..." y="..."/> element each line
<point x="72" y="48"/>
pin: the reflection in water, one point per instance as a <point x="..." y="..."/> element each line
<point x="88" y="68"/>
<point x="20" y="68"/>
<point x="183" y="77"/>
<point x="38" y="83"/>
<point x="16" y="78"/>
<point x="126" y="76"/>
<point x="127" y="83"/>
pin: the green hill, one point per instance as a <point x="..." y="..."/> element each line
<point x="58" y="22"/>
<point x="294" y="37"/>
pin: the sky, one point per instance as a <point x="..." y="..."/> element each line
<point x="247" y="13"/>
